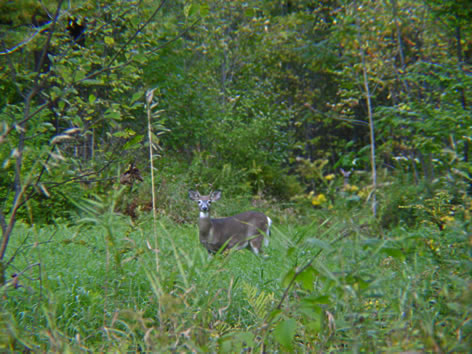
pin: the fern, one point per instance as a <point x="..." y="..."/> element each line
<point x="259" y="301"/>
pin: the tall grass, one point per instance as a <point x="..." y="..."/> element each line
<point x="337" y="282"/>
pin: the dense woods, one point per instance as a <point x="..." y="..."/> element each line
<point x="347" y="119"/>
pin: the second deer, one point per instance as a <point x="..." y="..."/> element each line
<point x="246" y="230"/>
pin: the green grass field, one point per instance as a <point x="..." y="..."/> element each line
<point x="330" y="282"/>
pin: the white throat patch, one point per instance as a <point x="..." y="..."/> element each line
<point x="204" y="214"/>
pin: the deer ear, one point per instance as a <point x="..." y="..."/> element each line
<point x="215" y="195"/>
<point x="193" y="195"/>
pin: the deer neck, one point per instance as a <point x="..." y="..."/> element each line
<point x="205" y="226"/>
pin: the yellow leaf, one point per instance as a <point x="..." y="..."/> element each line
<point x="109" y="41"/>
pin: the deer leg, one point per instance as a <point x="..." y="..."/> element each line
<point x="254" y="249"/>
<point x="266" y="237"/>
<point x="256" y="244"/>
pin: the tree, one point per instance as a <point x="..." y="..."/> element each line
<point x="73" y="98"/>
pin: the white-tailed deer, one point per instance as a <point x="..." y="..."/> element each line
<point x="248" y="229"/>
<point x="346" y="175"/>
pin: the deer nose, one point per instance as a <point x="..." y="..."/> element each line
<point x="204" y="208"/>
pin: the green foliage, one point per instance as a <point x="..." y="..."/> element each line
<point x="415" y="205"/>
<point x="266" y="101"/>
<point x="259" y="301"/>
<point x="244" y="95"/>
<point x="98" y="287"/>
<point x="285" y="332"/>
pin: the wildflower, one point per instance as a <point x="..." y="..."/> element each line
<point x="330" y="177"/>
<point x="372" y="304"/>
<point x="351" y="188"/>
<point x="319" y="199"/>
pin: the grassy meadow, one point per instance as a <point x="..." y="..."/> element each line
<point x="331" y="280"/>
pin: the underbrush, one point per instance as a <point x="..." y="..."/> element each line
<point x="337" y="281"/>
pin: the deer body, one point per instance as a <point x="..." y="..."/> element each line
<point x="248" y="229"/>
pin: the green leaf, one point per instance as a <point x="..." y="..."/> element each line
<point x="285" y="332"/>
<point x="120" y="134"/>
<point x="109" y="41"/>
<point x="92" y="82"/>
<point x="307" y="278"/>
<point x="190" y="9"/>
<point x="317" y="300"/>
<point x="250" y="12"/>
<point x="155" y="140"/>
<point x="136" y="96"/>
<point x="126" y="133"/>
<point x="109" y="114"/>
<point x="247" y="338"/>
<point x="394" y="252"/>
<point x="274" y="314"/>
<point x="92" y="98"/>
<point x="204" y="10"/>
<point x="291" y="251"/>
<point x="133" y="143"/>
<point x="288" y="277"/>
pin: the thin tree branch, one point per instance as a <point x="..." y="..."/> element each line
<point x="26" y="119"/>
<point x="79" y="178"/>
<point x="398" y="33"/>
<point x="137" y="32"/>
<point x="180" y="35"/>
<point x="92" y="75"/>
<point x="20" y="247"/>
<point x="19" y="189"/>
<point x="108" y="66"/>
<point x="353" y="121"/>
<point x="26" y="41"/>
<point x="48" y="41"/>
<point x="12" y="72"/>
<point x="112" y="68"/>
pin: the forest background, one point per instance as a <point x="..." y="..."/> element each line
<point x="349" y="115"/>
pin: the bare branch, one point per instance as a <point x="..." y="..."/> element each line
<point x="26" y="41"/>
<point x="26" y="119"/>
<point x="22" y="246"/>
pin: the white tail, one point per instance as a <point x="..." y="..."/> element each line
<point x="248" y="229"/>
